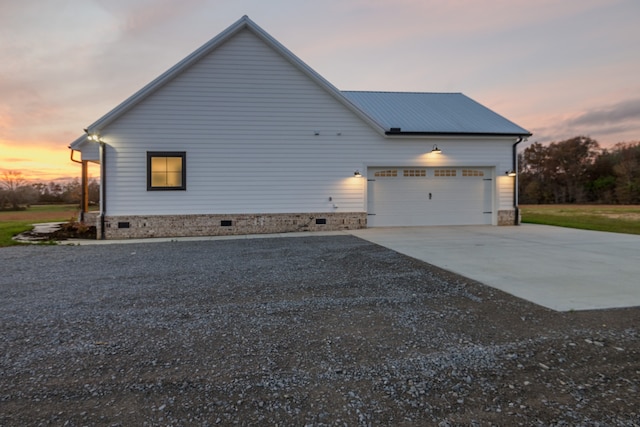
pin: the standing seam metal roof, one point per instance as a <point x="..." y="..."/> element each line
<point x="437" y="113"/>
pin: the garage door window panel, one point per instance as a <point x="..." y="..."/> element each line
<point x="389" y="173"/>
<point x="414" y="172"/>
<point x="445" y="172"/>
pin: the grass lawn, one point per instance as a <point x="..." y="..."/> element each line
<point x="12" y="223"/>
<point x="613" y="218"/>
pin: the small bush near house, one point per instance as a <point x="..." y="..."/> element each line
<point x="75" y="230"/>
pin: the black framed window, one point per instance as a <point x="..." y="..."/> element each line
<point x="166" y="170"/>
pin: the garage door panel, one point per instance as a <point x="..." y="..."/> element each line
<point x="443" y="200"/>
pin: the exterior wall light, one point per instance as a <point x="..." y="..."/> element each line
<point x="510" y="173"/>
<point x="357" y="174"/>
<point x="435" y="149"/>
<point x="93" y="137"/>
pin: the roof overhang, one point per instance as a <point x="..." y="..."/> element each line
<point x="75" y="145"/>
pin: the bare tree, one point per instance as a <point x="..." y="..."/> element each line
<point x="11" y="183"/>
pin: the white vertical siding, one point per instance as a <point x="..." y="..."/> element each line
<point x="247" y="119"/>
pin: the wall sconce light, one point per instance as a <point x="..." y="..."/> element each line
<point x="510" y="173"/>
<point x="357" y="174"/>
<point x="435" y="149"/>
<point x="93" y="137"/>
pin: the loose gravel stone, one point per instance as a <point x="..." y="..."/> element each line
<point x="316" y="331"/>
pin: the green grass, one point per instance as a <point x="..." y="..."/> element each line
<point x="8" y="229"/>
<point x="13" y="223"/>
<point x="616" y="219"/>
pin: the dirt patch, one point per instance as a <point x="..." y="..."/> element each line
<point x="623" y="216"/>
<point x="74" y="230"/>
<point x="301" y="331"/>
<point x="37" y="216"/>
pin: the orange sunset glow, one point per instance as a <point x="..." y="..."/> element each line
<point x="557" y="68"/>
<point x="38" y="163"/>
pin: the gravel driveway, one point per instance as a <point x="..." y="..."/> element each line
<point x="294" y="331"/>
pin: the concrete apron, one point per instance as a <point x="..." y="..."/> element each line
<point x="559" y="268"/>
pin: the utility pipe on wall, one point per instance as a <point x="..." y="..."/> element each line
<point x="103" y="184"/>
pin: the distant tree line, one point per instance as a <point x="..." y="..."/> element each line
<point x="577" y="170"/>
<point x="16" y="192"/>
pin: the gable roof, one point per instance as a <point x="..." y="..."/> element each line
<point x="207" y="48"/>
<point x="411" y="113"/>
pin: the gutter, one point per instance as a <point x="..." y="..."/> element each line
<point x="82" y="191"/>
<point x="398" y="132"/>
<point x="515" y="181"/>
<point x="72" y="159"/>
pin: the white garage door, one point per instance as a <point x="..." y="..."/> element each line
<point x="429" y="196"/>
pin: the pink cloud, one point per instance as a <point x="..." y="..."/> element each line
<point x="384" y="23"/>
<point x="135" y="17"/>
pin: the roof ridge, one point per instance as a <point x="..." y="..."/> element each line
<point x="402" y="92"/>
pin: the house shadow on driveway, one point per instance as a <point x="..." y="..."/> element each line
<point x="560" y="268"/>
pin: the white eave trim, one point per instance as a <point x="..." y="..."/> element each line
<point x="75" y="145"/>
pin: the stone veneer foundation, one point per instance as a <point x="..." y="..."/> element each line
<point x="136" y="227"/>
<point x="508" y="217"/>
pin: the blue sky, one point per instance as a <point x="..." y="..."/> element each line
<point x="558" y="68"/>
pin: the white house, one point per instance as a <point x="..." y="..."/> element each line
<point x="243" y="137"/>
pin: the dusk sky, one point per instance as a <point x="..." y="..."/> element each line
<point x="558" y="68"/>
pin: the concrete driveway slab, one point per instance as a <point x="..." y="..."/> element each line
<point x="559" y="268"/>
